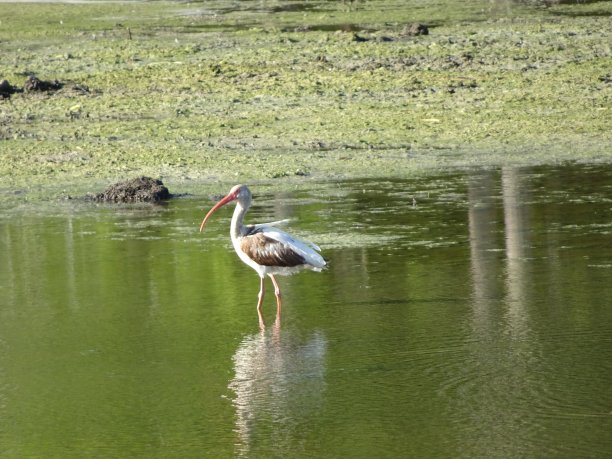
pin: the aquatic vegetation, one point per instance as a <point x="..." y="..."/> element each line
<point x="220" y="91"/>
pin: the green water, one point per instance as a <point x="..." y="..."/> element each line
<point x="462" y="315"/>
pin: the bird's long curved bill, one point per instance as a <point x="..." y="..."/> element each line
<point x="221" y="203"/>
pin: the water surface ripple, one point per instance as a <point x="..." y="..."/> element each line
<point x="462" y="315"/>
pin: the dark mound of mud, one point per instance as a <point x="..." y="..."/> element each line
<point x="140" y="189"/>
<point x="412" y="30"/>
<point x="6" y="89"/>
<point x="34" y="84"/>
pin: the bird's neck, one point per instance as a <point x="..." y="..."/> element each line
<point x="237" y="225"/>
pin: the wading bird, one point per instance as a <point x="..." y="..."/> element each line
<point x="266" y="249"/>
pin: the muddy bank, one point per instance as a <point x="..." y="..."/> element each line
<point x="198" y="96"/>
<point x="140" y="189"/>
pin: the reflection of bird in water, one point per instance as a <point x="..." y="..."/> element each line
<point x="278" y="385"/>
<point x="264" y="248"/>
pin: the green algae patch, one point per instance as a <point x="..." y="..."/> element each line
<point x="196" y="93"/>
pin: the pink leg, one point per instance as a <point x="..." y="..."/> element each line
<point x="277" y="292"/>
<point x="260" y="297"/>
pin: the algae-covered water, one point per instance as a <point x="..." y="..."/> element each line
<point x="463" y="314"/>
<point x="245" y="91"/>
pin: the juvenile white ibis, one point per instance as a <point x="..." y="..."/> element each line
<point x="266" y="249"/>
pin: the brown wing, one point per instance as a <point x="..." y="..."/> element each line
<point x="269" y="252"/>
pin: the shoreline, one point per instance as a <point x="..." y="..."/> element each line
<point x="380" y="166"/>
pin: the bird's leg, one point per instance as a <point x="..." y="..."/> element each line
<point x="260" y="297"/>
<point x="277" y="292"/>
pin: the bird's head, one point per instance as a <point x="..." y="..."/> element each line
<point x="239" y="193"/>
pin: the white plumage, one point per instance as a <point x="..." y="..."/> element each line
<point x="265" y="248"/>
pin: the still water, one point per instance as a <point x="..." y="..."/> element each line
<point x="462" y="315"/>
